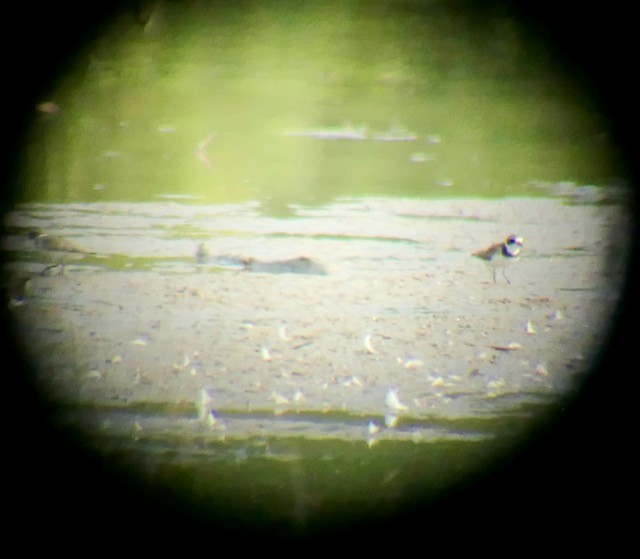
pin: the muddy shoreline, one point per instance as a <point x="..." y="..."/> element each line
<point x="418" y="315"/>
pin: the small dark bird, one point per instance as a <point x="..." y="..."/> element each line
<point x="50" y="243"/>
<point x="17" y="289"/>
<point x="202" y="254"/>
<point x="56" y="247"/>
<point x="501" y="255"/>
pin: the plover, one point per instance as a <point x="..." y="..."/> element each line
<point x="501" y="255"/>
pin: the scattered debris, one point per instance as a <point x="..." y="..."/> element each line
<point x="392" y="401"/>
<point x="264" y="351"/>
<point x="373" y="428"/>
<point x="179" y="366"/>
<point x="390" y="420"/>
<point x="511" y="346"/>
<point x="353" y="381"/>
<point x="368" y="346"/>
<point x="556" y="315"/>
<point x="203" y="404"/>
<point x="494" y="386"/>
<point x="279" y="399"/>
<point x="437" y="381"/>
<point x="412" y="363"/>
<point x="282" y="332"/>
<point x="139" y="341"/>
<point x="541" y="370"/>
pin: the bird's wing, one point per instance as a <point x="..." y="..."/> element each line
<point x="488" y="253"/>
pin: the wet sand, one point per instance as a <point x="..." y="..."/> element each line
<point x="403" y="306"/>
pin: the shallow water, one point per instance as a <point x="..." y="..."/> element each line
<point x="298" y="472"/>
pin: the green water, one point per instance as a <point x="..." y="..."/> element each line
<point x="234" y="101"/>
<point x="296" y="484"/>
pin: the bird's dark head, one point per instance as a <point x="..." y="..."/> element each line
<point x="513" y="245"/>
<point x="515" y="240"/>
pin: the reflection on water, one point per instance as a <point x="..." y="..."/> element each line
<point x="275" y="466"/>
<point x="313" y="102"/>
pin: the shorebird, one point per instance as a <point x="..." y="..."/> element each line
<point x="202" y="254"/>
<point x="17" y="289"/>
<point x="56" y="247"/>
<point x="501" y="255"/>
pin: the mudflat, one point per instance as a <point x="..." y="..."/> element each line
<point x="403" y="305"/>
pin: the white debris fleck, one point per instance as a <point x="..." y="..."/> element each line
<point x="437" y="381"/>
<point x="373" y="427"/>
<point x="182" y="365"/>
<point x="353" y="381"/>
<point x="390" y="420"/>
<point x="412" y="363"/>
<point x="282" y="332"/>
<point x="368" y="346"/>
<point x="264" y="351"/>
<point x="392" y="401"/>
<point x="203" y="404"/>
<point x="556" y="315"/>
<point x="139" y="341"/>
<point x="541" y="370"/>
<point x="494" y="386"/>
<point x="278" y="398"/>
<point x="511" y="346"/>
